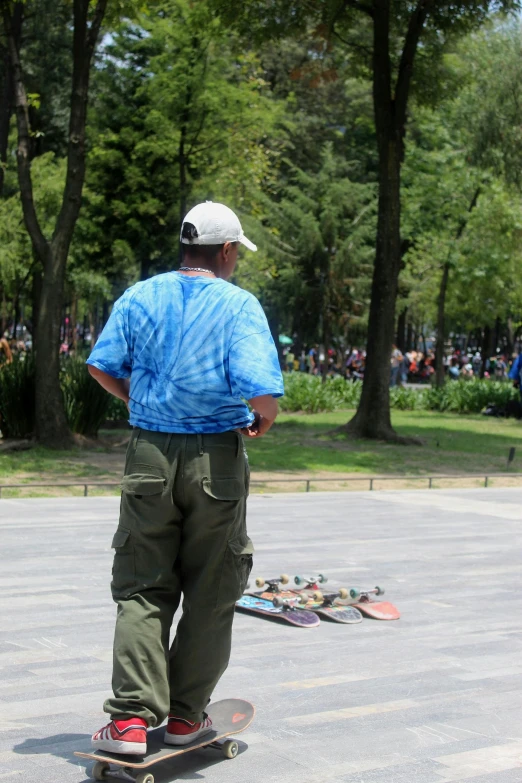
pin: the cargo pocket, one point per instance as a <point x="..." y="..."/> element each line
<point x="142" y="485"/>
<point x="123" y="568"/>
<point x="237" y="560"/>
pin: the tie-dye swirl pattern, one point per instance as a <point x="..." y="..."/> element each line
<point x="194" y="348"/>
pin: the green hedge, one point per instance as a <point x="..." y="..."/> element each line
<point x="17" y="397"/>
<point x="87" y="405"/>
<point x="309" y="394"/>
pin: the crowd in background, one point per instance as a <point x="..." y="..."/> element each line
<point x="408" y="367"/>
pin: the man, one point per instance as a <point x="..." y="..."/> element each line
<point x="183" y="350"/>
<point x="515" y="374"/>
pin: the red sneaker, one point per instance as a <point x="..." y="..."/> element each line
<point x="181" y="731"/>
<point x="122" y="736"/>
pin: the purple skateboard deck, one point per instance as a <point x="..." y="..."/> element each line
<point x="256" y="604"/>
<point x="339" y="614"/>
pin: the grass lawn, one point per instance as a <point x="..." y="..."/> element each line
<point x="301" y="445"/>
<point x="452" y="444"/>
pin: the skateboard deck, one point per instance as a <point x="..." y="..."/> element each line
<point x="338" y="614"/>
<point x="378" y="610"/>
<point x="262" y="604"/>
<point x="334" y="612"/>
<point x="229" y="716"/>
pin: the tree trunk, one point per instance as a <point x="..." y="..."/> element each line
<point x="390" y="101"/>
<point x="372" y="419"/>
<point x="439" y="345"/>
<point x="36" y="294"/>
<point x="8" y="93"/>
<point x="51" y="422"/>
<point x="409" y="336"/>
<point x="400" y="340"/>
<point x="510" y="338"/>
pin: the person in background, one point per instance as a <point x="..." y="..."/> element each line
<point x="476" y="363"/>
<point x="395" y="365"/>
<point x="515" y="374"/>
<point x="289" y="360"/>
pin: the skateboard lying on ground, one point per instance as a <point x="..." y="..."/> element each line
<point x="229" y="716"/>
<point x="357" y="599"/>
<point x="378" y="610"/>
<point x="281" y="605"/>
<point x="329" y="605"/>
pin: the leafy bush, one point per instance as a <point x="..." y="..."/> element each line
<point x="307" y="393"/>
<point x="86" y="403"/>
<point x="117" y="410"/>
<point x="469" y="396"/>
<point x="17" y="385"/>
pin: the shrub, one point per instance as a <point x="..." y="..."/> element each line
<point x="86" y="403"/>
<point x="307" y="393"/>
<point x="17" y="384"/>
<point x="117" y="410"/>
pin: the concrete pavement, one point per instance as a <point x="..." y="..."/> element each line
<point x="435" y="697"/>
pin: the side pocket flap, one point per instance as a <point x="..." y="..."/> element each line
<point x="241" y="546"/>
<point x="142" y="484"/>
<point x="121" y="537"/>
<point x="224" y="489"/>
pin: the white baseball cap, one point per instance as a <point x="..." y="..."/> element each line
<point x="215" y="224"/>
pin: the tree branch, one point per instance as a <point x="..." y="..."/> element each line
<point x="84" y="41"/>
<point x="39" y="242"/>
<point x="402" y="87"/>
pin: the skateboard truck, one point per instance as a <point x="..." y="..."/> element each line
<point x="328" y="599"/>
<point x="272" y="584"/>
<point x="310" y="581"/>
<point x="363" y="595"/>
<point x="289" y="604"/>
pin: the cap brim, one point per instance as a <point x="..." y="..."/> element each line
<point x="247" y="243"/>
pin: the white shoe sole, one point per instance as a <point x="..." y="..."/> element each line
<point x="118" y="746"/>
<point x="185" y="739"/>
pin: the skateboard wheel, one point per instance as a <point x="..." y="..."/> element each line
<point x="318" y="596"/>
<point x="343" y="592"/>
<point x="284" y="579"/>
<point x="278" y="601"/>
<point x="354" y="593"/>
<point x="379" y="590"/>
<point x="99" y="770"/>
<point x="260" y="582"/>
<point x="230" y="749"/>
<point x="304" y="598"/>
<point x="322" y="579"/>
<point x="299" y="580"/>
<point x="145" y="777"/>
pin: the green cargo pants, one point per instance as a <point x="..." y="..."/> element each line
<point x="182" y="530"/>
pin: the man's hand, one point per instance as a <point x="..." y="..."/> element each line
<point x="265" y="413"/>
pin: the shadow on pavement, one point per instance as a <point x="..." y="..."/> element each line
<point x="184" y="767"/>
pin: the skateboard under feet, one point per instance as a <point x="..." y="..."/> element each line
<point x="229" y="716"/>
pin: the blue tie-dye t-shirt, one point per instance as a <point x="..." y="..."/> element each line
<point x="194" y="348"/>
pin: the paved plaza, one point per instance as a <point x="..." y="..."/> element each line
<point x="435" y="697"/>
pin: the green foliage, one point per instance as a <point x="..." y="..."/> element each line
<point x="117" y="410"/>
<point x="308" y="394"/>
<point x="17" y="388"/>
<point x="86" y="403"/>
